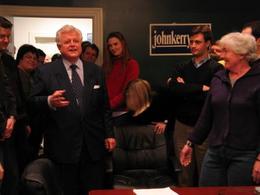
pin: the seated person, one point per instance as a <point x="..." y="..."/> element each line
<point x="142" y="106"/>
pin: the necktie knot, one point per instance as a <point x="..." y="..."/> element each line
<point x="73" y="66"/>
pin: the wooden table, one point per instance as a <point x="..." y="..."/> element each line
<point x="243" y="190"/>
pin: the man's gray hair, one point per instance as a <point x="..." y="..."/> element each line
<point x="64" y="29"/>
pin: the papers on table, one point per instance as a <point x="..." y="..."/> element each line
<point x="155" y="191"/>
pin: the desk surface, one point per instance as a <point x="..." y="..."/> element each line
<point x="243" y="190"/>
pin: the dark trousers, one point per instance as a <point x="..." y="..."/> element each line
<point x="35" y="138"/>
<point x="22" y="147"/>
<point x="188" y="176"/>
<point x="224" y="166"/>
<point x="80" y="178"/>
<point x="10" y="184"/>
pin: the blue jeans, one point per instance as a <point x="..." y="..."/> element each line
<point x="225" y="166"/>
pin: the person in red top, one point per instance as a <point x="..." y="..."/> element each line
<point x="120" y="68"/>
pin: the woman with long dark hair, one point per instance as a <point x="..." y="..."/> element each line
<point x="120" y="68"/>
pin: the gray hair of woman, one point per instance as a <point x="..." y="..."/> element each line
<point x="241" y="44"/>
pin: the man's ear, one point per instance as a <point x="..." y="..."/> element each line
<point x="208" y="45"/>
<point x="58" y="45"/>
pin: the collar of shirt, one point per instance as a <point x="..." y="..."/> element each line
<point x="79" y="69"/>
<point x="197" y="65"/>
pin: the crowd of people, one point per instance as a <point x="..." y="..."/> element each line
<point x="71" y="105"/>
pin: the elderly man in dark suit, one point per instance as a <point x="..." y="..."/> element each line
<point x="79" y="127"/>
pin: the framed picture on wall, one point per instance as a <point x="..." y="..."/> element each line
<point x="171" y="39"/>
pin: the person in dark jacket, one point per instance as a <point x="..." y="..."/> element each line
<point x="7" y="118"/>
<point x="26" y="62"/>
<point x="189" y="84"/>
<point x="11" y="177"/>
<point x="230" y="118"/>
<point x="79" y="126"/>
<point x="143" y="106"/>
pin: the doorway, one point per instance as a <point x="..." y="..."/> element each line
<point x="41" y="32"/>
<point x="91" y="16"/>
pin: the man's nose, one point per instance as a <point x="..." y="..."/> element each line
<point x="6" y="39"/>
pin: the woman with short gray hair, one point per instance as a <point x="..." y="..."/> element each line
<point x="231" y="118"/>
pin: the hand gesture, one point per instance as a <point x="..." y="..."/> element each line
<point x="180" y="80"/>
<point x="110" y="144"/>
<point x="57" y="99"/>
<point x="1" y="172"/>
<point x="256" y="172"/>
<point x="159" y="127"/>
<point x="9" y="127"/>
<point x="186" y="155"/>
<point x="205" y="88"/>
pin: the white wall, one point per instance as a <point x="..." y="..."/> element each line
<point x="27" y="28"/>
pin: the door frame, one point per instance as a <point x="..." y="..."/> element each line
<point x="96" y="14"/>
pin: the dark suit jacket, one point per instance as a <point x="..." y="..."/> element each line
<point x="67" y="127"/>
<point x="7" y="98"/>
<point x="11" y="71"/>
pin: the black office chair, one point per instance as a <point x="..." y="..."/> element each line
<point x="140" y="159"/>
<point x="39" y="178"/>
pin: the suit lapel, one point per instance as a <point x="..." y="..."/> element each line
<point x="89" y="81"/>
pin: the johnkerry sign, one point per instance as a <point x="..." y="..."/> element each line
<point x="171" y="39"/>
